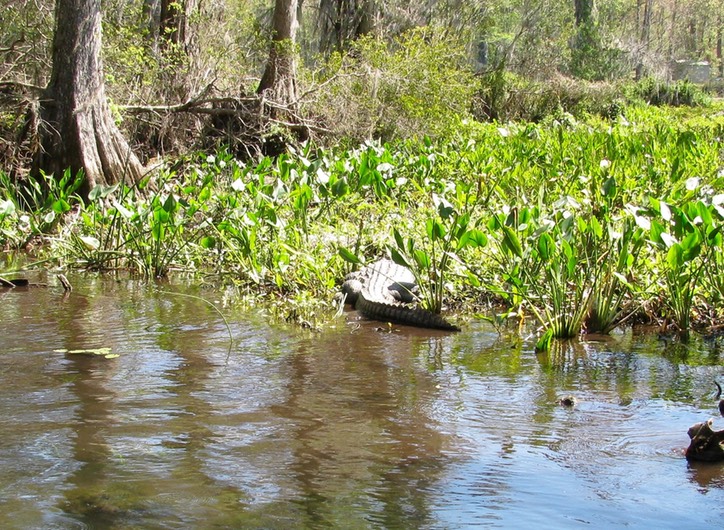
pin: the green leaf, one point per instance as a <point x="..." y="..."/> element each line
<point x="340" y="188"/>
<point x="348" y="256"/>
<point x="473" y="238"/>
<point x="675" y="256"/>
<point x="398" y="258"/>
<point x="610" y="188"/>
<point x="208" y="242"/>
<point x="691" y="246"/>
<point x="170" y="204"/>
<point x="61" y="206"/>
<point x="544" y="343"/>
<point x="546" y="246"/>
<point x="511" y="241"/>
<point x="596" y="227"/>
<point x="398" y="239"/>
<point x="435" y="230"/>
<point x="422" y="259"/>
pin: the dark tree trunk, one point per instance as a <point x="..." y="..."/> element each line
<point x="340" y="21"/>
<point x="583" y="11"/>
<point x="644" y="20"/>
<point x="77" y="130"/>
<point x="279" y="79"/>
<point x="174" y="22"/>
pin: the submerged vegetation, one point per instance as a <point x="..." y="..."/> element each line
<point x="584" y="224"/>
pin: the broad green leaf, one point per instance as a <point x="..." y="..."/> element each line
<point x="691" y="246"/>
<point x="473" y="238"/>
<point x="340" y="188"/>
<point x="158" y="231"/>
<point x="511" y="241"/>
<point x="208" y="242"/>
<point x="675" y="256"/>
<point x="610" y="188"/>
<point x="546" y="246"/>
<point x="170" y="203"/>
<point x="596" y="227"/>
<point x="61" y="206"/>
<point x="435" y="230"/>
<point x="398" y="239"/>
<point x="398" y="258"/>
<point x="348" y="256"/>
<point x="422" y="259"/>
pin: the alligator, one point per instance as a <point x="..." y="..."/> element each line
<point x="387" y="291"/>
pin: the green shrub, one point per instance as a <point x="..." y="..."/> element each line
<point x="411" y="87"/>
<point x="677" y="93"/>
<point x="504" y="96"/>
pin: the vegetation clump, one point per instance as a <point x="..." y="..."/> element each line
<point x="583" y="224"/>
<point x="502" y="152"/>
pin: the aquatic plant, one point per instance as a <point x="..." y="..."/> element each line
<point x="688" y="234"/>
<point x="550" y="219"/>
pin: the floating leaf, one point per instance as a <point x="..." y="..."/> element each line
<point x="104" y="352"/>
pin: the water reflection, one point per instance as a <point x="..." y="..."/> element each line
<point x="349" y="428"/>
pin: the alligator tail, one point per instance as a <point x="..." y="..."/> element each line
<point x="411" y="316"/>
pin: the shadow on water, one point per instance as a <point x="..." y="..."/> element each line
<point x="352" y="427"/>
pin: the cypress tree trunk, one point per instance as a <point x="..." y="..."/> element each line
<point x="279" y="79"/>
<point x="77" y="130"/>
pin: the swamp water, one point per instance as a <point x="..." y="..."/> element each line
<point x="347" y="428"/>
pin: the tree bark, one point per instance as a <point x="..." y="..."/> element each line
<point x="583" y="11"/>
<point x="78" y="131"/>
<point x="279" y="79"/>
<point x="340" y="21"/>
<point x="174" y="22"/>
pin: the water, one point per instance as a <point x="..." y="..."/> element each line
<point x="348" y="428"/>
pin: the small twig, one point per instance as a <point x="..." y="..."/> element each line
<point x="67" y="287"/>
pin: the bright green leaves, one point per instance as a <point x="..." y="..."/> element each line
<point x="349" y="256"/>
<point x="567" y="266"/>
<point x="687" y="232"/>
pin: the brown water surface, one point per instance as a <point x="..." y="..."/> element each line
<point x="347" y="428"/>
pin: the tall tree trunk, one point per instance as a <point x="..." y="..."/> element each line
<point x="583" y="11"/>
<point x="719" y="54"/>
<point x="279" y="79"/>
<point x="174" y="25"/>
<point x="645" y="35"/>
<point x="78" y="131"/>
<point x="340" y="21"/>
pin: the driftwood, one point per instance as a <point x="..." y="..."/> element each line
<point x="706" y="444"/>
<point x="16" y="282"/>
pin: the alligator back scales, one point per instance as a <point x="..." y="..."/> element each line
<point x="375" y="290"/>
